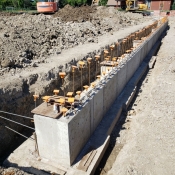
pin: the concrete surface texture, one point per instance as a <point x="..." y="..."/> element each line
<point x="144" y="144"/>
<point x="70" y="135"/>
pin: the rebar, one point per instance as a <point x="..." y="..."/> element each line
<point x="17" y="115"/>
<point x="81" y="80"/>
<point x="89" y="74"/>
<point x="17" y="123"/>
<point x="63" y="86"/>
<point x="19" y="133"/>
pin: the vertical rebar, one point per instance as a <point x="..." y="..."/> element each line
<point x="89" y="62"/>
<point x="36" y="143"/>
<point x="89" y="74"/>
<point x="73" y="83"/>
<point x="63" y="86"/>
<point x="111" y="55"/>
<point x="81" y="80"/>
<point x="96" y="69"/>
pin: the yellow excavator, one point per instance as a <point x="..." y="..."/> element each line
<point x="132" y="5"/>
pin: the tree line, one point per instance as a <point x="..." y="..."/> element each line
<point x="18" y="4"/>
<point x="31" y="4"/>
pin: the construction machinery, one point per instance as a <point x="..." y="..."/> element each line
<point x="132" y="5"/>
<point x="47" y="6"/>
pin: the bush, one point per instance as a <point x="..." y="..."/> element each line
<point x="102" y="2"/>
<point x="18" y="3"/>
<point x="62" y="3"/>
<point x="173" y="6"/>
<point x="73" y="3"/>
<point x="4" y="3"/>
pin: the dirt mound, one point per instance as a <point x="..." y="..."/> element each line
<point x="78" y="14"/>
<point x="28" y="40"/>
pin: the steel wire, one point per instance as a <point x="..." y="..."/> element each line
<point x="16" y="115"/>
<point x="17" y="123"/>
<point x="19" y="133"/>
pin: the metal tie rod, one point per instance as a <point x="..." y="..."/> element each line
<point x="17" y="123"/>
<point x="19" y="133"/>
<point x="17" y="115"/>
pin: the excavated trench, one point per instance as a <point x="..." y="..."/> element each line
<point x="19" y="98"/>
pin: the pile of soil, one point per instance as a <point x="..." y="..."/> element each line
<point x="77" y="14"/>
<point x="7" y="14"/>
<point x="28" y="40"/>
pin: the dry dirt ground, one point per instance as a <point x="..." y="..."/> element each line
<point x="28" y="40"/>
<point x="144" y="143"/>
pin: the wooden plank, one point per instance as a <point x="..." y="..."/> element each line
<point x="86" y="160"/>
<point x="46" y="110"/>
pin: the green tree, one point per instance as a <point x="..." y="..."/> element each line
<point x="73" y="3"/>
<point x="18" y="3"/>
<point x="173" y="6"/>
<point x="103" y="2"/>
<point x="4" y="3"/>
<point x="81" y="2"/>
<point x="62" y="3"/>
<point x="27" y="3"/>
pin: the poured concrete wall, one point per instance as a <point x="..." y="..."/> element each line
<point x="52" y="138"/>
<point x="62" y="139"/>
<point x="97" y="115"/>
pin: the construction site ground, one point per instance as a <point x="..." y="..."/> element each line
<point x="143" y="140"/>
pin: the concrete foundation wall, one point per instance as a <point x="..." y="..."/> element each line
<point x="64" y="138"/>
<point x="132" y="65"/>
<point x="121" y="78"/>
<point x="97" y="108"/>
<point x="79" y="130"/>
<point x="52" y="138"/>
<point x="109" y="93"/>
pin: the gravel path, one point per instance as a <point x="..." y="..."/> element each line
<point x="146" y="142"/>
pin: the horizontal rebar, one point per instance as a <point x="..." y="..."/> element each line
<point x="17" y="123"/>
<point x="19" y="133"/>
<point x="16" y="115"/>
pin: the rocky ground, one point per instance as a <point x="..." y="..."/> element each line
<point x="12" y="171"/>
<point x="28" y="40"/>
<point x="143" y="141"/>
